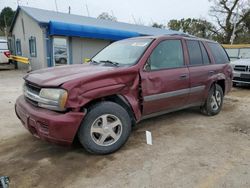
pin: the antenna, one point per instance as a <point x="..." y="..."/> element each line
<point x="112" y="13"/>
<point x="87" y="8"/>
<point x="56" y="6"/>
<point x="141" y="21"/>
<point x="134" y="19"/>
<point x="69" y="9"/>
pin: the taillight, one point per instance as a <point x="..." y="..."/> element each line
<point x="7" y="54"/>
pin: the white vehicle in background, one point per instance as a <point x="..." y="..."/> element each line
<point x="4" y="52"/>
<point x="241" y="71"/>
<point x="239" y="55"/>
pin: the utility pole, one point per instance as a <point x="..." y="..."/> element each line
<point x="5" y="28"/>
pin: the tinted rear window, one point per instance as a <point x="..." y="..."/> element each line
<point x="3" y="46"/>
<point x="194" y="50"/>
<point x="205" y="57"/>
<point x="218" y="53"/>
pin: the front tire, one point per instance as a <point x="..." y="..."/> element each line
<point x="105" y="128"/>
<point x="214" y="101"/>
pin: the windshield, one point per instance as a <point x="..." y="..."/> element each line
<point x="238" y="53"/>
<point x="122" y="53"/>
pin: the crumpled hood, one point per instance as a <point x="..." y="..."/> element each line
<point x="56" y="76"/>
<point x="241" y="62"/>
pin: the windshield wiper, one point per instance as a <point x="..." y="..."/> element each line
<point x="110" y="62"/>
<point x="95" y="62"/>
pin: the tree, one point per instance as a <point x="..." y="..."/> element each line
<point x="107" y="16"/>
<point x="227" y="13"/>
<point x="196" y="27"/>
<point x="6" y="17"/>
<point x="156" y="25"/>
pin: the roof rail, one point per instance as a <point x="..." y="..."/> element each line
<point x="182" y="34"/>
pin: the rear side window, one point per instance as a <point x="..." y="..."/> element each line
<point x="218" y="53"/>
<point x="205" y="57"/>
<point x="3" y="46"/>
<point x="168" y="54"/>
<point x="195" y="57"/>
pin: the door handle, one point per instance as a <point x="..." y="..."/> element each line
<point x="211" y="73"/>
<point x="183" y="77"/>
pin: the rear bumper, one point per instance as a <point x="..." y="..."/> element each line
<point x="55" y="127"/>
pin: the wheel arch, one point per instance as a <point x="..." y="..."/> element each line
<point x="116" y="98"/>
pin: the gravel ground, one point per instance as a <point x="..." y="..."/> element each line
<point x="189" y="150"/>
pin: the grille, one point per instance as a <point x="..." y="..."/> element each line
<point x="35" y="103"/>
<point x="242" y="68"/>
<point x="33" y="89"/>
<point x="241" y="79"/>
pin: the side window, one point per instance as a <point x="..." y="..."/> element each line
<point x="205" y="57"/>
<point x="219" y="54"/>
<point x="168" y="54"/>
<point x="18" y="47"/>
<point x="32" y="46"/>
<point x="194" y="51"/>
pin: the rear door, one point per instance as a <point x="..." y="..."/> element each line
<point x="165" y="80"/>
<point x="199" y="69"/>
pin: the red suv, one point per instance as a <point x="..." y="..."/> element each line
<point x="128" y="81"/>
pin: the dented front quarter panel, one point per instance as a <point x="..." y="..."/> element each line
<point x="119" y="81"/>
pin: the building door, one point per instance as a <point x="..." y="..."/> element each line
<point x="60" y="51"/>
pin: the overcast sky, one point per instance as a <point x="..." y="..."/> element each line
<point x="145" y="11"/>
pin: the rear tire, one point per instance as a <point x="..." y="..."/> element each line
<point x="105" y="128"/>
<point x="214" y="101"/>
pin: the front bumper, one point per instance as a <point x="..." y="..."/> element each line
<point x="55" y="127"/>
<point x="241" y="77"/>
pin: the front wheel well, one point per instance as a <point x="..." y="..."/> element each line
<point x="221" y="83"/>
<point x="119" y="99"/>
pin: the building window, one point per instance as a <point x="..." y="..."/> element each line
<point x="32" y="46"/>
<point x="18" y="47"/>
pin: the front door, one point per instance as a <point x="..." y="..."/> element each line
<point x="165" y="82"/>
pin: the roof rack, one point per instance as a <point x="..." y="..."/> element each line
<point x="182" y="34"/>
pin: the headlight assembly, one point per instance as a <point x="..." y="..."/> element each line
<point x="54" y="99"/>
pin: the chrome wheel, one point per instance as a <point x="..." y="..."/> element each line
<point x="216" y="100"/>
<point x="106" y="130"/>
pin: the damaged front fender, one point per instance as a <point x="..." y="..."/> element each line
<point x="124" y="83"/>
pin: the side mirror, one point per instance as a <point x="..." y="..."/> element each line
<point x="147" y="66"/>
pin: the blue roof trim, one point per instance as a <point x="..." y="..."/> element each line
<point x="74" y="30"/>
